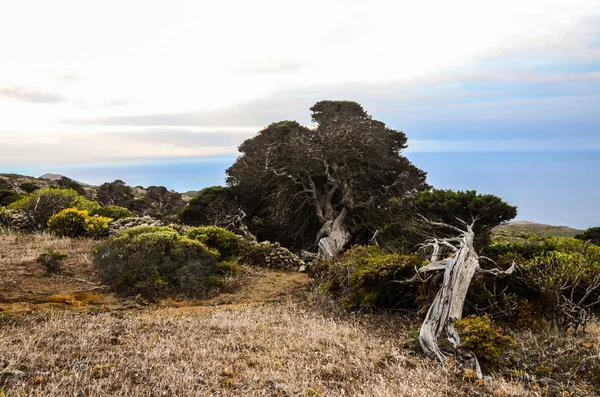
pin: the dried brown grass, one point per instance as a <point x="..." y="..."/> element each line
<point x="276" y="349"/>
<point x="265" y="336"/>
<point x="566" y="362"/>
<point x="18" y="253"/>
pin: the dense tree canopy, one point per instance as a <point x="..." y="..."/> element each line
<point x="164" y="201"/>
<point x="592" y="235"/>
<point x="459" y="207"/>
<point x="330" y="182"/>
<point x="114" y="193"/>
<point x="214" y="205"/>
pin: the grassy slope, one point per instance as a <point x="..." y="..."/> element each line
<point x="520" y="228"/>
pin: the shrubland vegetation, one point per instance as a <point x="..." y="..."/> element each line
<point x="374" y="237"/>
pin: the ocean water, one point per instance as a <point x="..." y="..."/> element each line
<point x="559" y="188"/>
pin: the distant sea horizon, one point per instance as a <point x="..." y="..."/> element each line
<point x="556" y="188"/>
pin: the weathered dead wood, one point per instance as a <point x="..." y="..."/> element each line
<point x="332" y="237"/>
<point x="447" y="307"/>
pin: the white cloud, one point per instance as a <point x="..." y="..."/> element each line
<point x="115" y="59"/>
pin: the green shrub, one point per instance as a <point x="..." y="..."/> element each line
<point x="40" y="205"/>
<point x="29" y="187"/>
<point x="72" y="222"/>
<point x="6" y="219"/>
<point x="592" y="235"/>
<point x="96" y="226"/>
<point x="69" y="222"/>
<point x="51" y="260"/>
<point x="554" y="273"/>
<point x="218" y="238"/>
<point x="113" y="212"/>
<point x="228" y="268"/>
<point x="482" y="337"/>
<point x="154" y="261"/>
<point x="363" y="278"/>
<point x="8" y="197"/>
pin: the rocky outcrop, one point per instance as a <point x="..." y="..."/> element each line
<point x="126" y="223"/>
<point x="271" y="255"/>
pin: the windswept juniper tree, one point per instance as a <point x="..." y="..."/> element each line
<point x="332" y="181"/>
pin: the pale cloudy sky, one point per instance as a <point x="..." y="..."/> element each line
<point x="90" y="86"/>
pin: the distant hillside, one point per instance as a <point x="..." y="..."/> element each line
<point x="52" y="177"/>
<point x="22" y="184"/>
<point x="156" y="201"/>
<point x="520" y="228"/>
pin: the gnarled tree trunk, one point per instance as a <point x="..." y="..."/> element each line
<point x="448" y="304"/>
<point x="447" y="307"/>
<point x="333" y="236"/>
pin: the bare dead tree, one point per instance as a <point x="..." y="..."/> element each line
<point x="447" y="307"/>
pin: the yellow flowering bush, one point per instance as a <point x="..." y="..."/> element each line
<point x="72" y="222"/>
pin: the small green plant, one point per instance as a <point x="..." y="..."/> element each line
<point x="228" y="268"/>
<point x="29" y="187"/>
<point x="52" y="260"/>
<point x="413" y="340"/>
<point x="8" y="197"/>
<point x="482" y="337"/>
<point x="218" y="238"/>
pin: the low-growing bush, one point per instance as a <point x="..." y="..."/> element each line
<point x="559" y="277"/>
<point x="154" y="261"/>
<point x="480" y="335"/>
<point x="51" y="260"/>
<point x="8" y="197"/>
<point x="96" y="226"/>
<point x="364" y="278"/>
<point x="72" y="222"/>
<point x="228" y="268"/>
<point x="6" y="219"/>
<point x="69" y="222"/>
<point x="41" y="204"/>
<point x="113" y="212"/>
<point x="29" y="187"/>
<point x="218" y="238"/>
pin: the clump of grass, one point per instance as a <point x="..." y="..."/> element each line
<point x="52" y="260"/>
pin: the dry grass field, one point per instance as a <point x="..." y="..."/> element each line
<point x="269" y="335"/>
